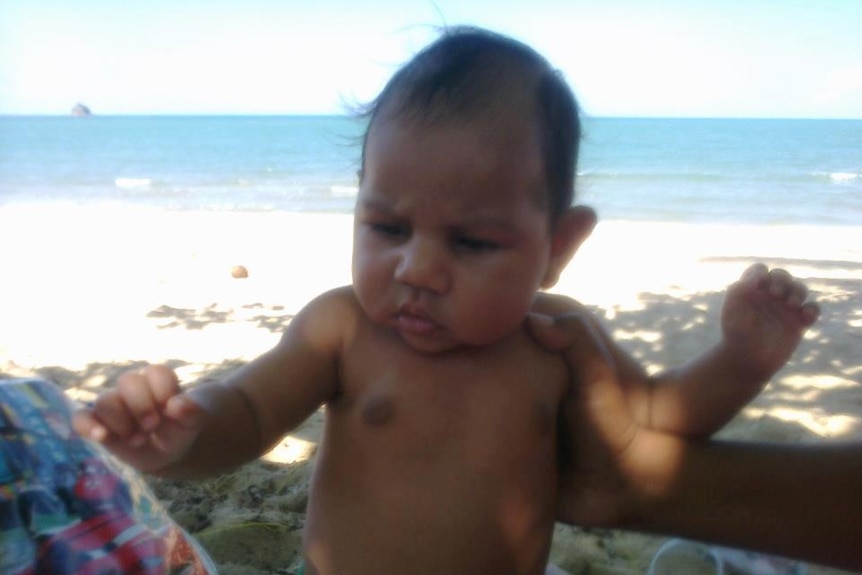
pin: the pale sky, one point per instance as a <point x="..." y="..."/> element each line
<point x="709" y="58"/>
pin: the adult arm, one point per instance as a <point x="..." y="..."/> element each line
<point x="791" y="500"/>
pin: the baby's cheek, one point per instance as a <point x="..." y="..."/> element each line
<point x="370" y="284"/>
<point x="496" y="316"/>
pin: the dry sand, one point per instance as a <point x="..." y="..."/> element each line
<point x="90" y="292"/>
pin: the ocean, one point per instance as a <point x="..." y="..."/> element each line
<point x="681" y="170"/>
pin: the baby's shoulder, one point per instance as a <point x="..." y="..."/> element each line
<point x="329" y="316"/>
<point x="337" y="299"/>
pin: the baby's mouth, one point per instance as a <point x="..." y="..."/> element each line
<point x="415" y="321"/>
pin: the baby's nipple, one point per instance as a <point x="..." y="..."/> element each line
<point x="378" y="410"/>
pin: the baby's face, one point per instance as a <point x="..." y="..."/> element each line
<point x="452" y="238"/>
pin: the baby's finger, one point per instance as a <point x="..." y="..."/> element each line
<point x="163" y="382"/>
<point x="797" y="293"/>
<point x="778" y="283"/>
<point x="136" y="391"/>
<point x="810" y="312"/>
<point x="87" y="426"/>
<point x="755" y="273"/>
<point x="111" y="414"/>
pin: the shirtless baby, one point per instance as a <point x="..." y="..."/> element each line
<point x="440" y="447"/>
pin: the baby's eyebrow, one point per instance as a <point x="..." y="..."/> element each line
<point x="498" y="226"/>
<point x="375" y="204"/>
<point x="491" y="218"/>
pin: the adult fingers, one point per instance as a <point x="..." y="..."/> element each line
<point x="592" y="367"/>
<point x="575" y="336"/>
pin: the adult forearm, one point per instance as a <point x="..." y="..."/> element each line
<point x="797" y="501"/>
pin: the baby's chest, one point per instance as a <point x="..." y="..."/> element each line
<point x="432" y="409"/>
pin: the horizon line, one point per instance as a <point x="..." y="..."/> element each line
<point x="584" y="116"/>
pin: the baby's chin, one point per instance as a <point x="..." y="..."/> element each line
<point x="452" y="343"/>
<point x="429" y="344"/>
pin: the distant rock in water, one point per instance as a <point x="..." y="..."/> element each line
<point x="81" y="110"/>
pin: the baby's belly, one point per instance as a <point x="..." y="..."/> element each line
<point x="450" y="511"/>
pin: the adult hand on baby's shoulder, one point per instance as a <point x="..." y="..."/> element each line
<point x="601" y="438"/>
<point x="146" y="419"/>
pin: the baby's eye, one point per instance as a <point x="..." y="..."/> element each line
<point x="389" y="230"/>
<point x="469" y="243"/>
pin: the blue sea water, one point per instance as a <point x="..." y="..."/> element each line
<point x="683" y="170"/>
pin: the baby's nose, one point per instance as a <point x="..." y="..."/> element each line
<point x="423" y="266"/>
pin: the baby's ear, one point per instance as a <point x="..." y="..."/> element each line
<point x="571" y="229"/>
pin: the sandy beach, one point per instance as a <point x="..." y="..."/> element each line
<point x="90" y="292"/>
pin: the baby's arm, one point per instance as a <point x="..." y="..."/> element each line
<point x="149" y="422"/>
<point x="763" y="319"/>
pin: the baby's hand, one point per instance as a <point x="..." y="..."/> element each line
<point x="146" y="420"/>
<point x="763" y="319"/>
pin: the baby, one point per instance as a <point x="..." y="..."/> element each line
<point x="440" y="447"/>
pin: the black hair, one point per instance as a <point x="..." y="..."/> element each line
<point x="469" y="70"/>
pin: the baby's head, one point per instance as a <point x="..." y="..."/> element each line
<point x="464" y="205"/>
<point x="471" y="76"/>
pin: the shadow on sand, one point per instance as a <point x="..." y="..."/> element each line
<point x="255" y="514"/>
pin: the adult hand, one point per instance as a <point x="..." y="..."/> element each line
<point x="620" y="474"/>
<point x="602" y="443"/>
